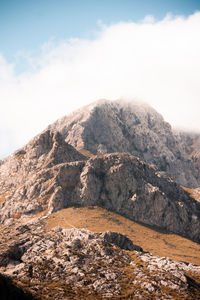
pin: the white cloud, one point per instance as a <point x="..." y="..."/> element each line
<point x="158" y="62"/>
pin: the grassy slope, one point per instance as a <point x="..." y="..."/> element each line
<point x="150" y="239"/>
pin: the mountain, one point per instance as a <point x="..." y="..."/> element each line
<point x="49" y="174"/>
<point x="115" y="126"/>
<point x="191" y="143"/>
<point x="99" y="168"/>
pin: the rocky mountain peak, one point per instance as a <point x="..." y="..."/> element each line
<point x="49" y="174"/>
<point x="84" y="161"/>
<point x="117" y="126"/>
<point x="51" y="146"/>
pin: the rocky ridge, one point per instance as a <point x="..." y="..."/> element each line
<point x="28" y="177"/>
<point x="115" y="126"/>
<point x="49" y="174"/>
<point x="43" y="177"/>
<point x="78" y="263"/>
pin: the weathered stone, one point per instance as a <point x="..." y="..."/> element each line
<point x="48" y="174"/>
<point x="121" y="241"/>
<point x="92" y="263"/>
<point x="119" y="182"/>
<point x="118" y="126"/>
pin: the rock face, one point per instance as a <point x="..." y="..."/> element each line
<point x="106" y="127"/>
<point x="77" y="263"/>
<point x="42" y="176"/>
<point x="121" y="241"/>
<point x="191" y="143"/>
<point x="28" y="177"/>
<point x="49" y="174"/>
<point x="128" y="186"/>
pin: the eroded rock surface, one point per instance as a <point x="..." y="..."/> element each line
<point x="126" y="185"/>
<point x="78" y="263"/>
<point x="48" y="174"/>
<point x="120" y="240"/>
<point x="28" y="178"/>
<point x="106" y="127"/>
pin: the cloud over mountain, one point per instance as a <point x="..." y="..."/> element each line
<point x="155" y="61"/>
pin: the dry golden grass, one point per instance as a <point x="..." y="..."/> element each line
<point x="3" y="197"/>
<point x="194" y="193"/>
<point x="150" y="239"/>
<point x="85" y="152"/>
<point x="20" y="157"/>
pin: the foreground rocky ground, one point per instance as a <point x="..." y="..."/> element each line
<point x="78" y="264"/>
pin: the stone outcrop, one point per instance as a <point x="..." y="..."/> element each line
<point x="28" y="177"/>
<point x="50" y="174"/>
<point x="106" y="127"/>
<point x="77" y="263"/>
<point x="128" y="186"/>
<point x="191" y="143"/>
<point x="119" y="182"/>
<point x="120" y="240"/>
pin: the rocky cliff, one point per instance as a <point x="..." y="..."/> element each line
<point x="48" y="174"/>
<point x="28" y="178"/>
<point x="106" y="127"/>
<point x="73" y="168"/>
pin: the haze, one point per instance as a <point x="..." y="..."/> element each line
<point x="157" y="62"/>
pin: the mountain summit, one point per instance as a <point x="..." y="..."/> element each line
<point x="118" y="126"/>
<point x="50" y="174"/>
<point x="106" y="165"/>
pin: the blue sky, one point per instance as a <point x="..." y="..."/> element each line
<point x="25" y="25"/>
<point x="56" y="56"/>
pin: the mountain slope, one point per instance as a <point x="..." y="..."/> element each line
<point x="106" y="127"/>
<point x="150" y="238"/>
<point x="48" y="183"/>
<point x="42" y="176"/>
<point x="79" y="264"/>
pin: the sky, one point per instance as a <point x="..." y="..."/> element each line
<point x="56" y="56"/>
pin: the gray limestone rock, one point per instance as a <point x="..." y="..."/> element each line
<point x="28" y="177"/>
<point x="106" y="127"/>
<point x="75" y="263"/>
<point x="50" y="180"/>
<point x="126" y="185"/>
<point x="120" y="240"/>
<point x="50" y="174"/>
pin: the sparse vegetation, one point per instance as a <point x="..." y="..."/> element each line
<point x="150" y="239"/>
<point x="54" y="263"/>
<point x="85" y="152"/>
<point x="3" y="197"/>
<point x="194" y="193"/>
<point x="20" y="156"/>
